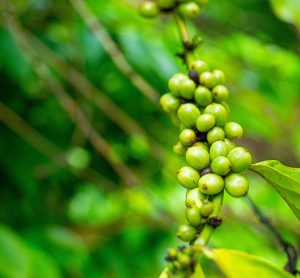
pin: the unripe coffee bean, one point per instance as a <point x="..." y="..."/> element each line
<point x="166" y="4"/>
<point x="231" y="145"/>
<point x="211" y="184"/>
<point x="193" y="216"/>
<point x="175" y="83"/>
<point x="240" y="159"/>
<point x="188" y="114"/>
<point x="220" y="93"/>
<point x="207" y="208"/>
<point x="233" y="130"/>
<point x="207" y="79"/>
<point x="236" y="185"/>
<point x="203" y="145"/>
<point x="215" y="134"/>
<point x="205" y="122"/>
<point x="203" y="96"/>
<point x="218" y="148"/>
<point x="221" y="165"/>
<point x="199" y="66"/>
<point x="169" y="103"/>
<point x="219" y="112"/>
<point x="186" y="232"/>
<point x="194" y="198"/>
<point x="187" y="137"/>
<point x="197" y="157"/>
<point x="187" y="88"/>
<point x="189" y="9"/>
<point x="149" y="9"/>
<point x="188" y="177"/>
<point x="179" y="149"/>
<point x="219" y="77"/>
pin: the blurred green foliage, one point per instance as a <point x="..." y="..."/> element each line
<point x="65" y="211"/>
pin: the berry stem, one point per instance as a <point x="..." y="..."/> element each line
<point x="188" y="49"/>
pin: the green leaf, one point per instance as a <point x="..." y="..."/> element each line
<point x="287" y="10"/>
<point x="198" y="272"/>
<point x="236" y="264"/>
<point x="285" y="180"/>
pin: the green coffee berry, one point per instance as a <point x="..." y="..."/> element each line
<point x="188" y="114"/>
<point x="172" y="253"/>
<point x="220" y="93"/>
<point x="184" y="260"/>
<point x="197" y="157"/>
<point x="205" y="122"/>
<point x="207" y="79"/>
<point x="215" y="134"/>
<point x="211" y="184"/>
<point x="219" y="77"/>
<point x="149" y="9"/>
<point x="193" y="216"/>
<point x="189" y="9"/>
<point x="236" y="185"/>
<point x="240" y="159"/>
<point x="175" y="83"/>
<point x="179" y="149"/>
<point x="233" y="130"/>
<point x="203" y="96"/>
<point x="169" y="103"/>
<point x="187" y="88"/>
<point x="221" y="165"/>
<point x="188" y="177"/>
<point x="203" y="145"/>
<point x="200" y="66"/>
<point x="186" y="232"/>
<point x="219" y="112"/>
<point x="194" y="198"/>
<point x="218" y="148"/>
<point x="187" y="137"/>
<point x="207" y="208"/>
<point x="230" y="144"/>
<point x="166" y="4"/>
<point x="226" y="106"/>
<point x="175" y="119"/>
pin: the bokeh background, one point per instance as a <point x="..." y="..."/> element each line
<point x="88" y="184"/>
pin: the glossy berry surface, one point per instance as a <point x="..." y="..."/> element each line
<point x="236" y="185"/>
<point x="194" y="198"/>
<point x="205" y="122"/>
<point x="221" y="165"/>
<point x="186" y="232"/>
<point x="215" y="134"/>
<point x="207" y="208"/>
<point x="188" y="177"/>
<point x="203" y="145"/>
<point x="187" y="88"/>
<point x="211" y="184"/>
<point x="179" y="149"/>
<point x="219" y="77"/>
<point x="189" y="9"/>
<point x="200" y="66"/>
<point x="207" y="79"/>
<point x="193" y="216"/>
<point x="233" y="130"/>
<point x="188" y="114"/>
<point x="240" y="159"/>
<point x="175" y="83"/>
<point x="149" y="9"/>
<point x="218" y="148"/>
<point x="197" y="157"/>
<point x="203" y="96"/>
<point x="169" y="103"/>
<point x="187" y="137"/>
<point x="219" y="112"/>
<point x="220" y="93"/>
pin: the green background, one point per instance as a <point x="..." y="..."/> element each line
<point x="70" y="210"/>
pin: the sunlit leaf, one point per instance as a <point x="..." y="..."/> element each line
<point x="285" y="180"/>
<point x="237" y="264"/>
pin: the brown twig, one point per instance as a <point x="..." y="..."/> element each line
<point x="14" y="122"/>
<point x="288" y="248"/>
<point x="113" y="50"/>
<point x="74" y="111"/>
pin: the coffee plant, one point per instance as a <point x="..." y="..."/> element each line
<point x="215" y="164"/>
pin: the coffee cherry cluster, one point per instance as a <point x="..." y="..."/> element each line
<point x="187" y="8"/>
<point x="182" y="260"/>
<point x="197" y="102"/>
